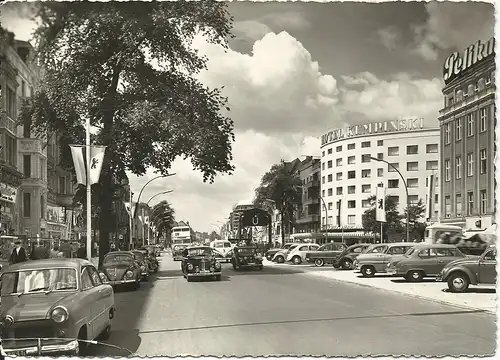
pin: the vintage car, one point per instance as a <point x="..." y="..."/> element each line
<point x="121" y="268"/>
<point x="269" y="254"/>
<point x="200" y="262"/>
<point x="246" y="256"/>
<point x="141" y="259"/>
<point x="298" y="255"/>
<point x="177" y="251"/>
<point x="346" y="258"/>
<point x="281" y="255"/>
<point x="326" y="254"/>
<point x="424" y="260"/>
<point x="151" y="260"/>
<point x="377" y="256"/>
<point x="54" y="307"/>
<point x="222" y="258"/>
<point x="472" y="270"/>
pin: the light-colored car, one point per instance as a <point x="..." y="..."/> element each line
<point x="376" y="257"/>
<point x="59" y="300"/>
<point x="280" y="256"/>
<point x="298" y="255"/>
<point x="222" y="246"/>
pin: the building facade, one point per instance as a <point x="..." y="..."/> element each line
<point x="467" y="123"/>
<point x="350" y="173"/>
<point x="307" y="219"/>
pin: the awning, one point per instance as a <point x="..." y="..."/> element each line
<point x="353" y="234"/>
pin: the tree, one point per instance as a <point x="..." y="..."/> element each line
<point x="283" y="187"/>
<point x="214" y="236"/>
<point x="393" y="217"/>
<point x="163" y="217"/>
<point x="417" y="213"/>
<point x="97" y="60"/>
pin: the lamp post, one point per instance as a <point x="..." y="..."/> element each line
<point x="157" y="216"/>
<point x="146" y="184"/>
<point x="407" y="195"/>
<point x="160" y="193"/>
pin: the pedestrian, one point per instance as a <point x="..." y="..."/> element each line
<point x="18" y="254"/>
<point x="82" y="252"/>
<point x="56" y="253"/>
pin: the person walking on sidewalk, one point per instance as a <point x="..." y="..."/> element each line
<point x="18" y="254"/>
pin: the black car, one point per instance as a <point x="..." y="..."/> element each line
<point x="246" y="256"/>
<point x="143" y="263"/>
<point x="200" y="262"/>
<point x="346" y="258"/>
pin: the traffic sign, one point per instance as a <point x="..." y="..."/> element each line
<point x="255" y="217"/>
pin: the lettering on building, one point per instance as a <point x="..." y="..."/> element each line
<point x="372" y="128"/>
<point x="456" y="64"/>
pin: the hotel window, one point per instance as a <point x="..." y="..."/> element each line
<point x="413" y="199"/>
<point x="366" y="173"/>
<point x="26" y="204"/>
<point x="412" y="150"/>
<point x="351" y="189"/>
<point x="365" y="203"/>
<point x="11" y="102"/>
<point x="412" y="166"/>
<point x="447" y="133"/>
<point x="380" y="156"/>
<point x="351" y="160"/>
<point x="480" y="84"/>
<point x="339" y="190"/>
<point x="431" y="165"/>
<point x="365" y="144"/>
<point x="366" y="188"/>
<point x="330" y="151"/>
<point x="458" y="130"/>
<point x="330" y="164"/>
<point x="484" y="201"/>
<point x="380" y="172"/>
<point x="330" y="206"/>
<point x="351" y="204"/>
<point x="458" y="204"/>
<point x="10" y="150"/>
<point x="470" y="164"/>
<point x="351" y="219"/>
<point x="488" y="79"/>
<point x="330" y="192"/>
<point x="27" y="127"/>
<point x="339" y="148"/>
<point x="330" y="178"/>
<point x="393" y="184"/>
<point x="482" y="161"/>
<point x="380" y="142"/>
<point x="323" y="193"/>
<point x="62" y="185"/>
<point x="412" y="183"/>
<point x="458" y="167"/>
<point x="322" y="179"/>
<point x="365" y="158"/>
<point x="431" y="148"/>
<point x="470" y="202"/>
<point x="351" y="174"/>
<point x="393" y="165"/>
<point x="393" y="151"/>
<point x="482" y="120"/>
<point x="470" y="124"/>
<point x="27" y="165"/>
<point x="339" y="176"/>
<point x="323" y="153"/>
<point x="447" y="205"/>
<point x="447" y="170"/>
<point x="323" y="166"/>
<point x="436" y="198"/>
<point x="351" y="146"/>
<point x="470" y="90"/>
<point x="338" y="162"/>
<point x="459" y="95"/>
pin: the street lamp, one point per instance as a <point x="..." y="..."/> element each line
<point x="326" y="213"/>
<point x="160" y="193"/>
<point x="407" y="195"/>
<point x="140" y="193"/>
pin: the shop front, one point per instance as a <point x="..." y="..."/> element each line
<point x="8" y="195"/>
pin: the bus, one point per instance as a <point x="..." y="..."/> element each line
<point x="182" y="235"/>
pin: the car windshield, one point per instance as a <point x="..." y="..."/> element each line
<point x="118" y="258"/>
<point x="200" y="252"/>
<point x="218" y="245"/>
<point x="32" y="281"/>
<point x="246" y="251"/>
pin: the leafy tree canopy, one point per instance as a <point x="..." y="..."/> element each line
<point x="393" y="217"/>
<point x="163" y="216"/>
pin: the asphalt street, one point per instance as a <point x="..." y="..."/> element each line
<point x="281" y="311"/>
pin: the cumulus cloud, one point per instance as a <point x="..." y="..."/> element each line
<point x="388" y="37"/>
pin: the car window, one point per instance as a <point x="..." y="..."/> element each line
<point x="303" y="248"/>
<point x="427" y="253"/>
<point x="490" y="255"/>
<point x="357" y="250"/>
<point x="313" y="247"/>
<point x="397" y="250"/>
<point x="227" y="244"/>
<point x="326" y="247"/>
<point x="379" y="249"/>
<point x="218" y="245"/>
<point x="94" y="276"/>
<point x="86" y="280"/>
<point x="440" y="252"/>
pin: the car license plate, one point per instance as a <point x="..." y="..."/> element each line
<point x="18" y="353"/>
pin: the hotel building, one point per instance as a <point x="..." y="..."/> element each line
<point x="349" y="176"/>
<point x="467" y="123"/>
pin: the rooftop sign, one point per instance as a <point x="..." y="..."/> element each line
<point x="372" y="128"/>
<point x="456" y="64"/>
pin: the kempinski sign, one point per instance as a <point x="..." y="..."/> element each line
<point x="372" y="128"/>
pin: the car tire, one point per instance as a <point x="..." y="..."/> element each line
<point x="83" y="344"/>
<point x="296" y="260"/>
<point x="346" y="264"/>
<point x="415" y="275"/>
<point x="458" y="282"/>
<point x="319" y="262"/>
<point x="368" y="271"/>
<point x="234" y="266"/>
<point x="280" y="259"/>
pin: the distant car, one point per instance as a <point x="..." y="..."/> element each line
<point x="346" y="258"/>
<point x="200" y="262"/>
<point x="281" y="255"/>
<point x="325" y="254"/>
<point x="472" y="270"/>
<point x="223" y="258"/>
<point x="119" y="268"/>
<point x="54" y="304"/>
<point x="269" y="254"/>
<point x="140" y="257"/>
<point x="222" y="246"/>
<point x="177" y="250"/>
<point x="246" y="256"/>
<point x="424" y="260"/>
<point x="376" y="257"/>
<point x="298" y="255"/>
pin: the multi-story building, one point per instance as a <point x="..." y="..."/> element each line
<point x="467" y="122"/>
<point x="307" y="219"/>
<point x="350" y="173"/>
<point x="235" y="215"/>
<point x="141" y="230"/>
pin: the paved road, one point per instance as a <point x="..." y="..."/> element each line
<point x="282" y="311"/>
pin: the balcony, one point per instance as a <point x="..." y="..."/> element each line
<point x="9" y="175"/>
<point x="7" y="123"/>
<point x="307" y="219"/>
<point x="310" y="201"/>
<point x="312" y="184"/>
<point x="28" y="145"/>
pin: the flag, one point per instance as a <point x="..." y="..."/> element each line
<point x="127" y="207"/>
<point x="141" y="219"/>
<point x="380" y="204"/>
<point x="77" y="155"/>
<point x="95" y="164"/>
<point x="146" y="220"/>
<point x="430" y="186"/>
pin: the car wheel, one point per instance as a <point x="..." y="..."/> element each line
<point x="368" y="271"/>
<point x="297" y="260"/>
<point x="346" y="264"/>
<point x="83" y="344"/>
<point x="234" y="266"/>
<point x="319" y="262"/>
<point x="458" y="283"/>
<point x="415" y="275"/>
<point x="280" y="259"/>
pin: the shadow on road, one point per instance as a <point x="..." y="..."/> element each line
<point x="402" y="281"/>
<point x="475" y="291"/>
<point x="265" y="271"/>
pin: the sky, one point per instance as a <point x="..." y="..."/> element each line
<point x="297" y="70"/>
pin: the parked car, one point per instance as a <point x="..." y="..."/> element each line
<point x="119" y="268"/>
<point x="347" y="257"/>
<point x="177" y="250"/>
<point x="200" y="262"/>
<point x="246" y="256"/>
<point x="269" y="254"/>
<point x="326" y="254"/>
<point x="55" y="305"/>
<point x="151" y="260"/>
<point x="281" y="255"/>
<point x="298" y="255"/>
<point x="143" y="264"/>
<point x="424" y="260"/>
<point x="376" y="257"/>
<point x="472" y="270"/>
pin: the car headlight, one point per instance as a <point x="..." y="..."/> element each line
<point x="8" y="321"/>
<point x="59" y="314"/>
<point x="143" y="268"/>
<point x="103" y="277"/>
<point x="217" y="265"/>
<point x="129" y="274"/>
<point x="190" y="266"/>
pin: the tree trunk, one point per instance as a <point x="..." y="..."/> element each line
<point x="282" y="228"/>
<point x="105" y="204"/>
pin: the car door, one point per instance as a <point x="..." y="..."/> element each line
<point x="104" y="298"/>
<point x="89" y="303"/>
<point x="312" y="247"/>
<point x="487" y="268"/>
<point x="428" y="261"/>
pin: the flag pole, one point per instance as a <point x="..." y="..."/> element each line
<point x="130" y="216"/>
<point x="89" y="193"/>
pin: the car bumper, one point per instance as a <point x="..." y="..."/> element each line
<point x="121" y="282"/>
<point x="203" y="274"/>
<point x="69" y="348"/>
<point x="439" y="277"/>
<point x="391" y="271"/>
<point x="250" y="265"/>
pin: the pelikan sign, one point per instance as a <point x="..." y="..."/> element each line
<point x="372" y="128"/>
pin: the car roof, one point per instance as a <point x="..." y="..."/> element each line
<point x="442" y="246"/>
<point x="199" y="247"/>
<point x="120" y="252"/>
<point x="48" y="263"/>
